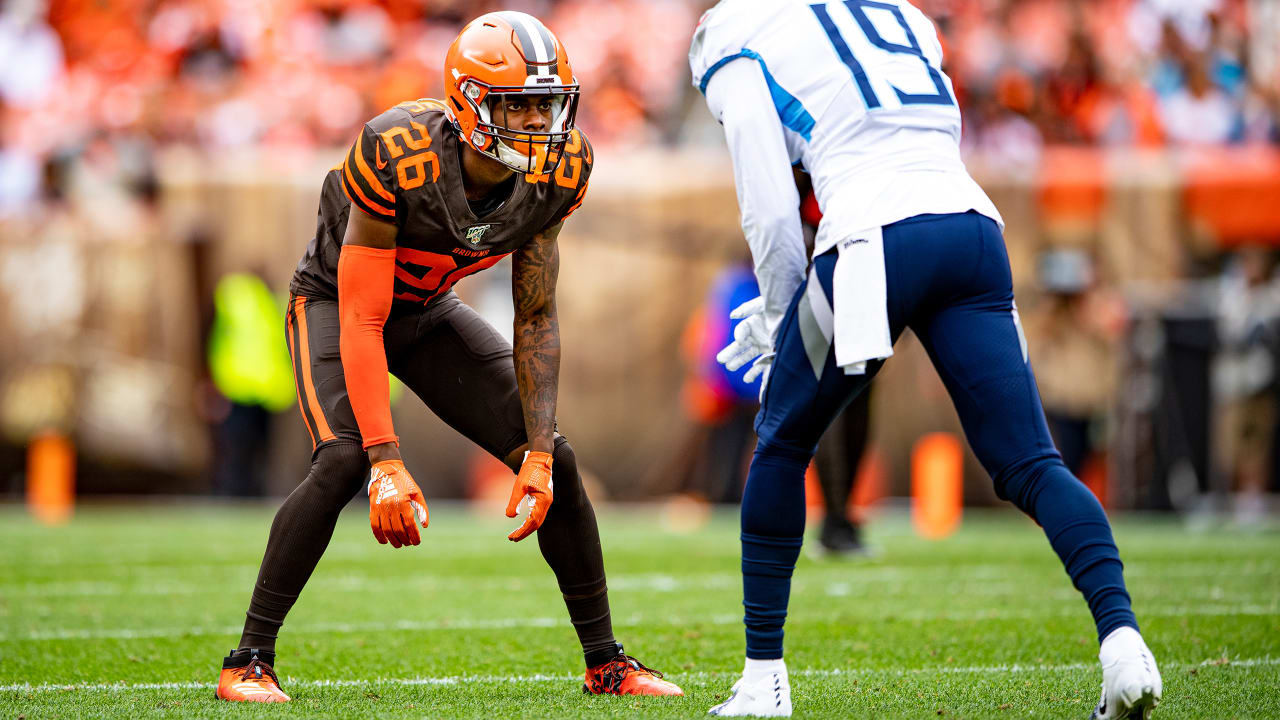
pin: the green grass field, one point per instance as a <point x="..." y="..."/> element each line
<point x="126" y="612"/>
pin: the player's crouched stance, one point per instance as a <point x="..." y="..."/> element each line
<point x="431" y="192"/>
<point x="853" y="91"/>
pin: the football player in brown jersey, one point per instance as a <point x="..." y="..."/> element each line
<point x="431" y="192"/>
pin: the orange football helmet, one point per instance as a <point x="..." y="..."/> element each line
<point x="498" y="55"/>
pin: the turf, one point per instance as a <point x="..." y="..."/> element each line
<point x="126" y="612"/>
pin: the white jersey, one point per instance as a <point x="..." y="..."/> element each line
<point x="857" y="91"/>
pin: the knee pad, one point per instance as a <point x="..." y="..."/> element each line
<point x="771" y="447"/>
<point x="566" y="483"/>
<point x="563" y="454"/>
<point x="340" y="468"/>
<point x="564" y="471"/>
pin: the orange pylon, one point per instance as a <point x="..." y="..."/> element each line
<point x="937" y="485"/>
<point x="51" y="477"/>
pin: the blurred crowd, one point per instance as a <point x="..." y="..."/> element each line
<point x="1141" y="73"/>
<point x="215" y="74"/>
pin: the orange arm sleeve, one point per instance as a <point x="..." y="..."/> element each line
<point x="366" y="278"/>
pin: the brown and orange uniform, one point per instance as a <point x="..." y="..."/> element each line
<point x="405" y="168"/>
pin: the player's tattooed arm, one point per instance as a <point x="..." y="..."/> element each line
<point x="537" y="335"/>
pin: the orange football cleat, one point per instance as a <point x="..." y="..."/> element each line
<point x="254" y="682"/>
<point x="624" y="675"/>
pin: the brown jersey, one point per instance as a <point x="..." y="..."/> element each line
<point x="404" y="168"/>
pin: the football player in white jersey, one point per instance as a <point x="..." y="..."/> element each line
<point x="853" y="91"/>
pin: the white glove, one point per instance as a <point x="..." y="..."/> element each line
<point x="751" y="341"/>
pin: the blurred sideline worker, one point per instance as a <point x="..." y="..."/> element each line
<point x="836" y="461"/>
<point x="1075" y="353"/>
<point x="840" y="450"/>
<point x="1244" y="379"/>
<point x="249" y="364"/>
<point x="441" y="191"/>
<point x="853" y="91"/>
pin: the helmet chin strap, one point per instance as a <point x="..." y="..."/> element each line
<point x="511" y="156"/>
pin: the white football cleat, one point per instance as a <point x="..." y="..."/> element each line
<point x="1131" y="684"/>
<point x="767" y="696"/>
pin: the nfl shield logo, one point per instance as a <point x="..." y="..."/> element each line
<point x="475" y="232"/>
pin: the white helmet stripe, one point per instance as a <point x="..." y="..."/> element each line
<point x="543" y="50"/>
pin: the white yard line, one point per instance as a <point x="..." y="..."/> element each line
<point x="292" y="683"/>
<point x="798" y="616"/>
<point x="370" y="627"/>
<point x="852" y="579"/>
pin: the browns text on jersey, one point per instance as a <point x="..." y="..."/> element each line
<point x="405" y="168"/>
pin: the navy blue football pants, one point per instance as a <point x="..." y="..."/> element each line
<point x="948" y="280"/>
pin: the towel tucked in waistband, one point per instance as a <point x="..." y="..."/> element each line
<point x="860" y="302"/>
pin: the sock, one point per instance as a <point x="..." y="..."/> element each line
<point x="1077" y="528"/>
<point x="758" y="669"/>
<point x="243" y="656"/>
<point x="596" y="657"/>
<point x="570" y="543"/>
<point x="299" y="535"/>
<point x="772" y="533"/>
<point x="592" y="621"/>
<point x="267" y="609"/>
<point x="767" y="566"/>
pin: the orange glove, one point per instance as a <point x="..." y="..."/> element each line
<point x="394" y="503"/>
<point x="533" y="482"/>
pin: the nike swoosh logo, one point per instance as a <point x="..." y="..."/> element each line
<point x="377" y="156"/>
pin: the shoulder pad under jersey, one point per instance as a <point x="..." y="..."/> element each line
<point x="393" y="154"/>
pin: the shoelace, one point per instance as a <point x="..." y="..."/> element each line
<point x="636" y="664"/>
<point x="619" y="668"/>
<point x="258" y="668"/>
